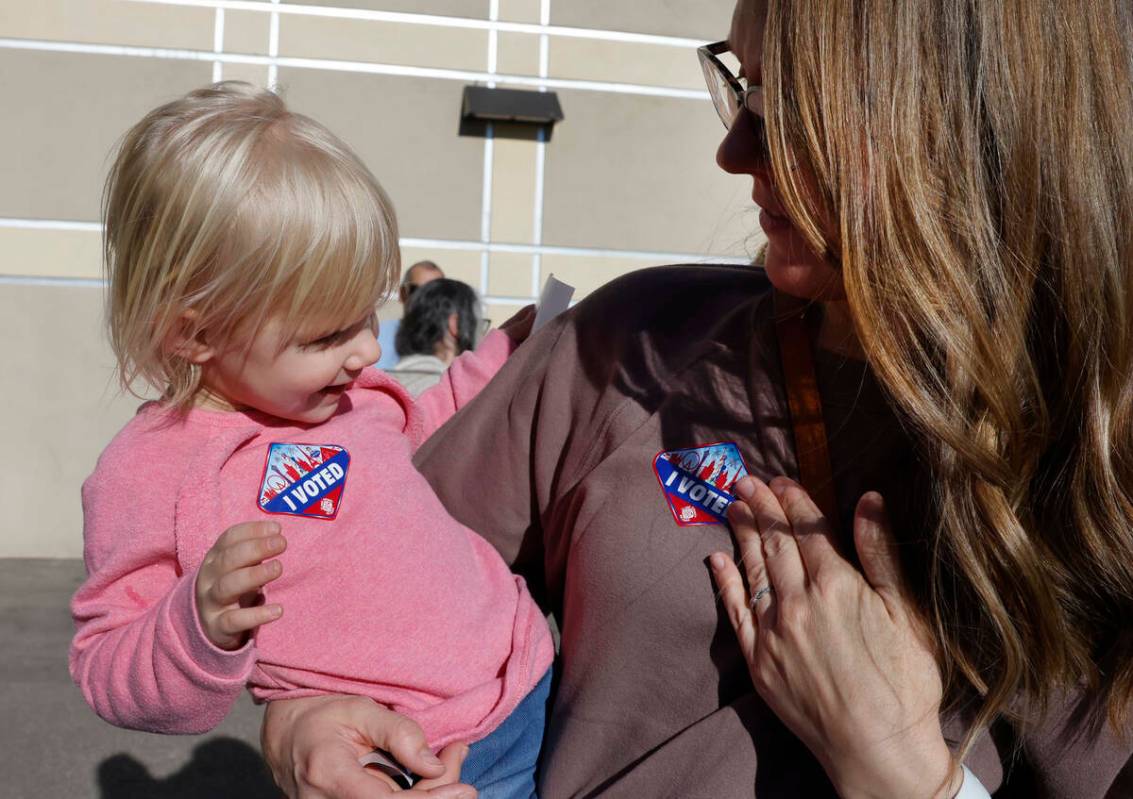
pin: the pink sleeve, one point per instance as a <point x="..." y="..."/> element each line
<point x="463" y="381"/>
<point x="139" y="654"/>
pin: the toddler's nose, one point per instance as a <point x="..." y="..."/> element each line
<point x="365" y="352"/>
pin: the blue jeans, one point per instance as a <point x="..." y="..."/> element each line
<point x="502" y="766"/>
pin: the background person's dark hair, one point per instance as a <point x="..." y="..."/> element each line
<point x="426" y="317"/>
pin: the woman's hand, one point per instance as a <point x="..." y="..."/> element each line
<point x="518" y="327"/>
<point x="312" y="746"/>
<point x="842" y="659"/>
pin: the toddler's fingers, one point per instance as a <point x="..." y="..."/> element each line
<point x="232" y="586"/>
<point x="246" y="530"/>
<point x="233" y="623"/>
<point x="248" y="552"/>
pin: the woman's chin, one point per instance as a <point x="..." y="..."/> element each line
<point x="797" y="271"/>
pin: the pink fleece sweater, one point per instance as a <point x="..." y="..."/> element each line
<point x="384" y="593"/>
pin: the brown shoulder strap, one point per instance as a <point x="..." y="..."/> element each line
<point x="805" y="405"/>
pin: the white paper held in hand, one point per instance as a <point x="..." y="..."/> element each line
<point x="553" y="300"/>
<point x="383" y="761"/>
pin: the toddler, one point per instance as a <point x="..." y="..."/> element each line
<point x="246" y="249"/>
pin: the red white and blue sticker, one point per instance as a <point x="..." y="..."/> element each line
<point x="304" y="480"/>
<point x="699" y="482"/>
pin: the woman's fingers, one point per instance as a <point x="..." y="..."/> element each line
<point x="734" y="597"/>
<point x="811" y="529"/>
<point x="752" y="563"/>
<point x="453" y="757"/>
<point x="376" y="727"/>
<point x="780" y="550"/>
<point x="444" y="792"/>
<point x="354" y="782"/>
<point x="876" y="546"/>
<point x="399" y="736"/>
<point x="518" y="328"/>
<point x="313" y="744"/>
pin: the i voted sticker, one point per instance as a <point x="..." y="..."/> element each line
<point x="698" y="482"/>
<point x="304" y="480"/>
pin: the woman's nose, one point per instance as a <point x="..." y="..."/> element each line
<point x="741" y="151"/>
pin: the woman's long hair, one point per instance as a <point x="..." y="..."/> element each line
<point x="970" y="164"/>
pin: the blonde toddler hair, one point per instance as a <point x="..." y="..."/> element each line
<point x="224" y="208"/>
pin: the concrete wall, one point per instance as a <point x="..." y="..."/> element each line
<point x="627" y="180"/>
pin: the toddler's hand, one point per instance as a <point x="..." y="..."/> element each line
<point x="518" y="328"/>
<point x="229" y="582"/>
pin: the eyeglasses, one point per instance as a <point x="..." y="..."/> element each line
<point x="729" y="96"/>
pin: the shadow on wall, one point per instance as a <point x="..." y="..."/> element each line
<point x="221" y="768"/>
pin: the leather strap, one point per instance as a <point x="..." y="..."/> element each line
<point x="805" y="405"/>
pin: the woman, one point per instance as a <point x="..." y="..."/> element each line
<point x="948" y="187"/>
<point x="442" y="320"/>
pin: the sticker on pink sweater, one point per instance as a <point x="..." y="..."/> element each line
<point x="304" y="480"/>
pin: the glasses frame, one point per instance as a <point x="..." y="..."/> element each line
<point x="709" y="56"/>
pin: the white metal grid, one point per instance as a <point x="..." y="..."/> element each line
<point x="491" y="76"/>
<point x="218" y="44"/>
<point x="435" y="20"/>
<point x="367" y="67"/>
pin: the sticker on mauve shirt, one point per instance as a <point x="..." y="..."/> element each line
<point x="304" y="480"/>
<point x="698" y="482"/>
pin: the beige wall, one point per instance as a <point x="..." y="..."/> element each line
<point x="628" y="177"/>
<point x="60" y="406"/>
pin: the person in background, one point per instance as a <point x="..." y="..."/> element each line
<point x="417" y="276"/>
<point x="413" y="278"/>
<point x="442" y="320"/>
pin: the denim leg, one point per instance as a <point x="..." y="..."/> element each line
<point x="502" y="766"/>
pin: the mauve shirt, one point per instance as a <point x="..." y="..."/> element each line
<point x="553" y="463"/>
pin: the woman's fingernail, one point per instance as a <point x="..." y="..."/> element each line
<point x="717" y="560"/>
<point x="428" y="756"/>
<point x="745" y="488"/>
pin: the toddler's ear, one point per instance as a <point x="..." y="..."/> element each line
<point x="186" y="339"/>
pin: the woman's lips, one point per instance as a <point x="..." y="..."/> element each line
<point x="773" y="223"/>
